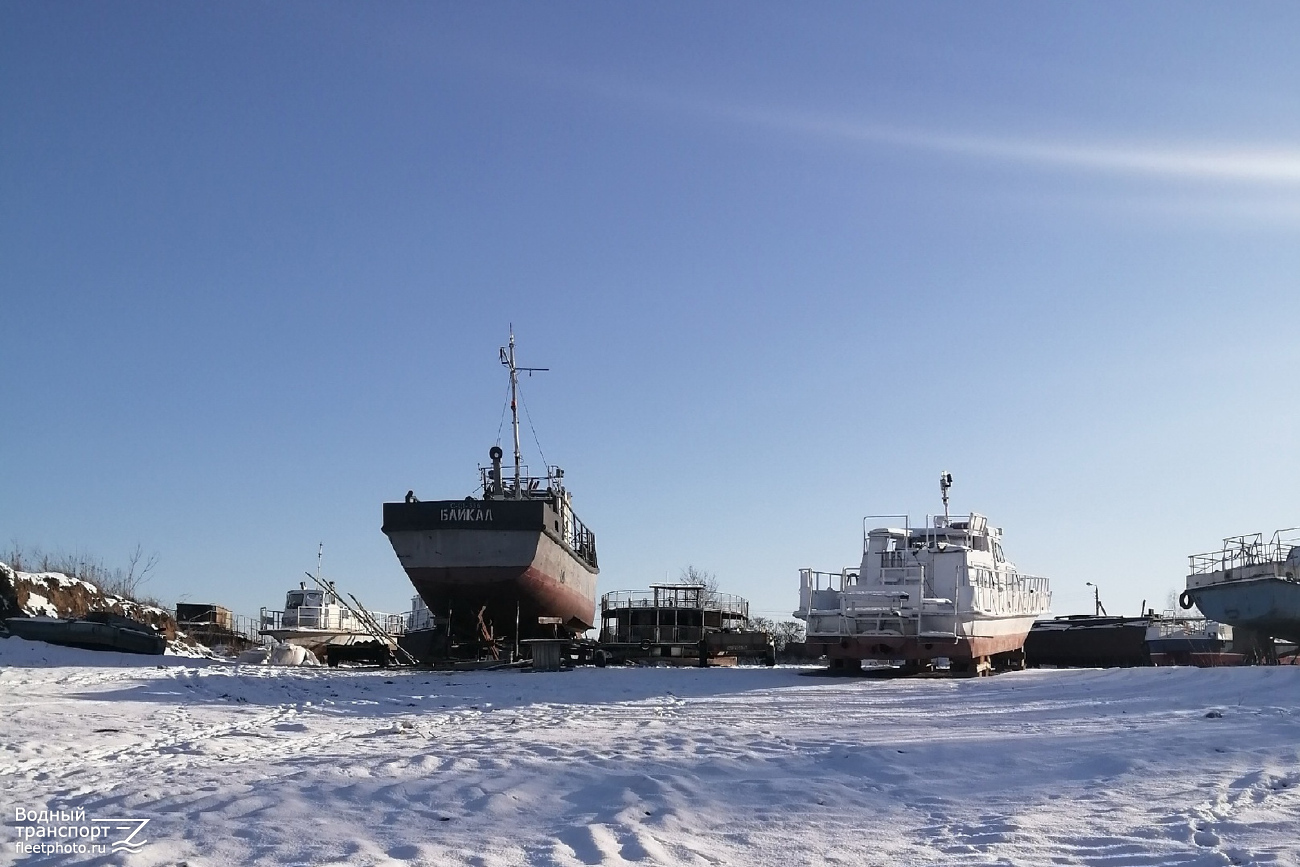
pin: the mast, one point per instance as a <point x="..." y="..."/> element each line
<point x="514" y="403"/>
<point x="945" y="482"/>
<point x="508" y="360"/>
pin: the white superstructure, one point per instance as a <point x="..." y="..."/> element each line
<point x="944" y="589"/>
<point x="314" y="617"/>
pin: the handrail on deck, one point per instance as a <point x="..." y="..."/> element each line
<point x="329" y="617"/>
<point x="1249" y="549"/>
<point x="685" y="598"/>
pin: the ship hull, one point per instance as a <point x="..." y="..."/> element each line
<point x="976" y="639"/>
<point x="1200" y="652"/>
<point x="1089" y="642"/>
<point x="1270" y="606"/>
<point x="317" y="640"/>
<point x="504" y="560"/>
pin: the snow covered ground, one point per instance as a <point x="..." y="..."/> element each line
<point x="258" y="765"/>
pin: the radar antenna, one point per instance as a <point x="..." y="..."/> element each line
<point x="945" y="482"/>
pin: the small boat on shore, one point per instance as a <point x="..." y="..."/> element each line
<point x="95" y="631"/>
<point x="315" y="618"/>
<point x="1197" y="641"/>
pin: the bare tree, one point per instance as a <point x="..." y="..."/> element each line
<point x="126" y="583"/>
<point x="788" y="633"/>
<point x="15" y="557"/>
<point x="85" y="567"/>
<point x="700" y="578"/>
<point x="784" y="632"/>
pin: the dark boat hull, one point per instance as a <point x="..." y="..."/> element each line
<point x="508" y="559"/>
<point x="1200" y="652"/>
<point x="87" y="635"/>
<point x="1085" y="641"/>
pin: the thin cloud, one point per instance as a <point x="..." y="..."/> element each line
<point x="1220" y="163"/>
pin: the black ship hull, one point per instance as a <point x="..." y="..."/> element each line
<point x="500" y="563"/>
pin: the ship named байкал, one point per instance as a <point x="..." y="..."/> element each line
<point x="490" y="567"/>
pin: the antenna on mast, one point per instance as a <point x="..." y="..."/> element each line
<point x="508" y="360"/>
<point x="945" y="482"/>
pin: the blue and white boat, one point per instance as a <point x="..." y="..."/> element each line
<point x="1174" y="640"/>
<point x="1250" y="583"/>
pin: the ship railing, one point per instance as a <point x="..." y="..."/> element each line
<point x="1250" y="549"/>
<point x="870" y="522"/>
<point x="420" y="618"/>
<point x="1178" y="624"/>
<point x="900" y="574"/>
<point x="812" y="579"/>
<point x="893" y="559"/>
<point x="687" y="597"/>
<point x="1018" y="582"/>
<point x="883" y="623"/>
<point x="820" y="590"/>
<point x="917" y="607"/>
<point x="306" y="617"/>
<point x="328" y="617"/>
<point x="580" y="539"/>
<point x="530" y="486"/>
<point x="215" y="631"/>
<point x="1007" y="593"/>
<point x="393" y="624"/>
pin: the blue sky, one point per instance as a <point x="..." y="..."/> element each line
<point x="786" y="263"/>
